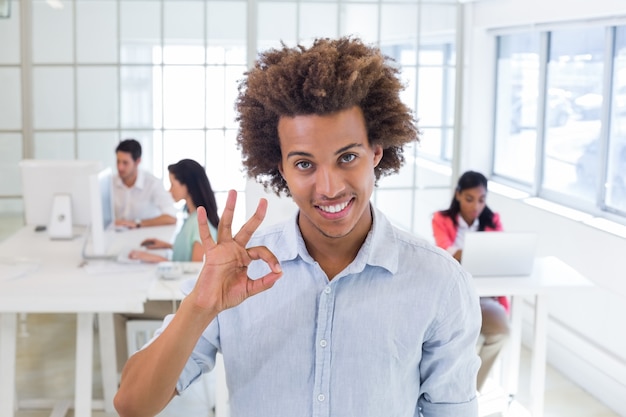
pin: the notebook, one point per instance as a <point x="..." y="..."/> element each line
<point x="499" y="253"/>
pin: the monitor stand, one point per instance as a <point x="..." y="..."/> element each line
<point x="60" y="226"/>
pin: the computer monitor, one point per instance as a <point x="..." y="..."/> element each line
<point x="102" y="211"/>
<point x="56" y="194"/>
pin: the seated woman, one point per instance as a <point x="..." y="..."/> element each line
<point x="468" y="212"/>
<point x="189" y="182"/>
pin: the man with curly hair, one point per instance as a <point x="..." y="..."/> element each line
<point x="362" y="319"/>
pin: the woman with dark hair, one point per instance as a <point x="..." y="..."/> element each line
<point x="468" y="212"/>
<point x="189" y="182"/>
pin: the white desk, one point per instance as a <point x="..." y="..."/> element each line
<point x="550" y="275"/>
<point x="58" y="284"/>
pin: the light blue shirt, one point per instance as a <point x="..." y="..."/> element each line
<point x="392" y="335"/>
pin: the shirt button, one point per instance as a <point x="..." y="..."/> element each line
<point x="321" y="397"/>
<point x="327" y="290"/>
<point x="323" y="343"/>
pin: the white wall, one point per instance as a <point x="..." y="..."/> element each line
<point x="587" y="340"/>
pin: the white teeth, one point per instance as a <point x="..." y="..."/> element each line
<point x="334" y="209"/>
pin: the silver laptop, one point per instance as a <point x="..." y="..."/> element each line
<point x="499" y="253"/>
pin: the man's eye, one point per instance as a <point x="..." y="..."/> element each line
<point x="303" y="164"/>
<point x="349" y="157"/>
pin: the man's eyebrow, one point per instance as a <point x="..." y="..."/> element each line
<point x="338" y="152"/>
<point x="348" y="147"/>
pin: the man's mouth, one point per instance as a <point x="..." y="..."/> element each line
<point x="334" y="208"/>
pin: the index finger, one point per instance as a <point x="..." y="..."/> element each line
<point x="247" y="230"/>
<point x="203" y="228"/>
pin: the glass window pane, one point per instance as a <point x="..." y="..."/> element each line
<point x="52" y="27"/>
<point x="517" y="90"/>
<point x="53" y="98"/>
<point x="226" y="32"/>
<point x="360" y="20"/>
<point x="137" y="97"/>
<point x="96" y="31"/>
<point x="270" y="34"/>
<point x="572" y="154"/>
<point x="449" y="86"/>
<point x="97" y="97"/>
<point x="216" y="103"/>
<point x="10" y="29"/>
<point x="181" y="144"/>
<point x="183" y="97"/>
<point x="184" y="32"/>
<point x="430" y="96"/>
<point x="398" y="31"/>
<point x="616" y="174"/>
<point x="10" y="99"/>
<point x="409" y="94"/>
<point x="318" y="20"/>
<point x="140" y="31"/>
<point x="223" y="161"/>
<point x="10" y="153"/>
<point x="54" y="145"/>
<point x="430" y="145"/>
<point x="221" y="95"/>
<point x="438" y="27"/>
<point x="98" y="146"/>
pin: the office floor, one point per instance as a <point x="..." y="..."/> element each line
<point x="45" y="367"/>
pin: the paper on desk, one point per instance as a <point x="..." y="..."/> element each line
<point x="13" y="268"/>
<point x="116" y="267"/>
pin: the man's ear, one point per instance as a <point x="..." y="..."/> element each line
<point x="280" y="169"/>
<point x="378" y="154"/>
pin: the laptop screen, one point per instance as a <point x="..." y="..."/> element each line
<point x="499" y="253"/>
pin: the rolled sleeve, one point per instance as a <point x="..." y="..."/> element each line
<point x="450" y="361"/>
<point x="468" y="409"/>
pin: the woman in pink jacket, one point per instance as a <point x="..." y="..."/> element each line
<point x="468" y="212"/>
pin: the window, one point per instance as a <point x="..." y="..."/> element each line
<point x="560" y="127"/>
<point x="517" y="106"/>
<point x="575" y="74"/>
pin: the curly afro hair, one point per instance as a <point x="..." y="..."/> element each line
<point x="329" y="76"/>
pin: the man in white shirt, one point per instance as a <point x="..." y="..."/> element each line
<point x="140" y="199"/>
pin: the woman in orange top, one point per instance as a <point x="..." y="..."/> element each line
<point x="468" y="212"/>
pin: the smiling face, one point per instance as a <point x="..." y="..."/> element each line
<point x="472" y="202"/>
<point x="328" y="165"/>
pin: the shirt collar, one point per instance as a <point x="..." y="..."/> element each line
<point x="463" y="224"/>
<point x="139" y="183"/>
<point x="379" y="248"/>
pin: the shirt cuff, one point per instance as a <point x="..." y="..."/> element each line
<point x="452" y="250"/>
<point x="467" y="409"/>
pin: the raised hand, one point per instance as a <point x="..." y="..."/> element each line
<point x="223" y="282"/>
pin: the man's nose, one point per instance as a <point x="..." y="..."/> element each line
<point x="328" y="182"/>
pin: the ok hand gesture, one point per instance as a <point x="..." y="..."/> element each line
<point x="223" y="281"/>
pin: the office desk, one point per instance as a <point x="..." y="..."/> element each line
<point x="550" y="275"/>
<point x="55" y="282"/>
